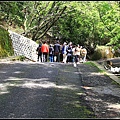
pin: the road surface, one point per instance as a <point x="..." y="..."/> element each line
<point x="41" y="90"/>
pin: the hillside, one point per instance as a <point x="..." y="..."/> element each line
<point x="6" y="48"/>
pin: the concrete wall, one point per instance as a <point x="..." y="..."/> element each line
<point x="24" y="46"/>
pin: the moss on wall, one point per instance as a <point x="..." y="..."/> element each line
<point x="6" y="48"/>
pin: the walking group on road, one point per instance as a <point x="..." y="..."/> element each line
<point x="65" y="53"/>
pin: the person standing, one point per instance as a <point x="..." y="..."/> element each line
<point x="64" y="52"/>
<point x="39" y="53"/>
<point x="51" y="53"/>
<point x="75" y="59"/>
<point x="84" y="54"/>
<point x="69" y="52"/>
<point x="78" y="53"/>
<point x="45" y="51"/>
<point x="57" y="52"/>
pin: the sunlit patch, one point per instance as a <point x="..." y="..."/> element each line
<point x="35" y="83"/>
<point x="38" y="85"/>
<point x="13" y="79"/>
<point x="4" y="92"/>
<point x="70" y="72"/>
<point x="66" y="87"/>
<point x="18" y="72"/>
<point x="86" y="87"/>
<point x="49" y="71"/>
<point x="114" y="106"/>
<point x="104" y="90"/>
<point x="45" y="84"/>
<point x="94" y="73"/>
<point x="37" y="80"/>
<point x="3" y="72"/>
<point x="6" y="62"/>
<point x="3" y="89"/>
<point x="80" y="93"/>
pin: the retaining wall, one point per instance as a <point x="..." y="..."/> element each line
<point x="23" y="46"/>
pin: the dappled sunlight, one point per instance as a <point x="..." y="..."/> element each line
<point x="80" y="93"/>
<point x="74" y="103"/>
<point x="38" y="85"/>
<point x="107" y="90"/>
<point x="71" y="87"/>
<point x="18" y="72"/>
<point x="86" y="87"/>
<point x="77" y="104"/>
<point x="3" y="72"/>
<point x="114" y="106"/>
<point x="94" y="73"/>
<point x="32" y="83"/>
<point x="13" y="79"/>
<point x="50" y="72"/>
<point x="24" y="79"/>
<point x="3" y="88"/>
<point x="3" y="92"/>
<point x="46" y="84"/>
<point x="68" y="71"/>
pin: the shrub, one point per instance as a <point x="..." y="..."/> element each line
<point x="97" y="55"/>
<point x="6" y="48"/>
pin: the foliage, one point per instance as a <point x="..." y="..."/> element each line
<point x="6" y="48"/>
<point x="21" y="58"/>
<point x="88" y="23"/>
<point x="11" y="12"/>
<point x="39" y="17"/>
<point x="109" y="15"/>
<point x="97" y="55"/>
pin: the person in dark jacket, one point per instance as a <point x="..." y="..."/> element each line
<point x="39" y="53"/>
<point x="51" y="53"/>
<point x="69" y="53"/>
<point x="57" y="52"/>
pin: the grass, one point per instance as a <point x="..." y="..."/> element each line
<point x="93" y="64"/>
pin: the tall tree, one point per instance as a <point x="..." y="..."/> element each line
<point x="41" y="17"/>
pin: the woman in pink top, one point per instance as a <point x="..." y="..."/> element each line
<point x="45" y="51"/>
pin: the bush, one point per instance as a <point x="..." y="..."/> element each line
<point x="21" y="58"/>
<point x="97" y="55"/>
<point x="6" y="48"/>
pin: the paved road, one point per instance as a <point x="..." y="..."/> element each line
<point x="115" y="61"/>
<point x="41" y="90"/>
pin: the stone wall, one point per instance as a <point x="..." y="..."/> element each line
<point x="23" y="46"/>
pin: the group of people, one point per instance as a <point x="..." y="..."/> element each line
<point x="73" y="53"/>
<point x="65" y="53"/>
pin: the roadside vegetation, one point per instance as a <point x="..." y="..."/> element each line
<point x="92" y="24"/>
<point x="5" y="44"/>
<point x="92" y="64"/>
